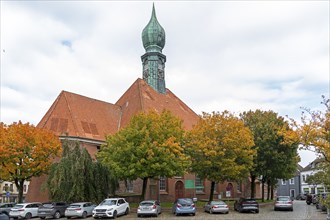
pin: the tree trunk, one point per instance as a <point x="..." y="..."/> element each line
<point x="262" y="190"/>
<point x="272" y="192"/>
<point x="20" y="186"/>
<point x="212" y="191"/>
<point x="268" y="189"/>
<point x="253" y="186"/>
<point x="144" y="188"/>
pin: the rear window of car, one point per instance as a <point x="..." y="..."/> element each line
<point x="48" y="204"/>
<point x="185" y="201"/>
<point x="147" y="203"/>
<point x="283" y="198"/>
<point x="18" y="206"/>
<point x="74" y="206"/>
<point x="218" y="203"/>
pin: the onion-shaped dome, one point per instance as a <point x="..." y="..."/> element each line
<point x="153" y="35"/>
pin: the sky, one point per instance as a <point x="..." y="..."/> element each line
<point x="221" y="55"/>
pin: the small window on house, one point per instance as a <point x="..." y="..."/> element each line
<point x="162" y="183"/>
<point x="283" y="182"/>
<point x="11" y="187"/>
<point x="24" y="188"/>
<point x="291" y="181"/>
<point x="304" y="178"/>
<point x="199" y="184"/>
<point x="129" y="186"/>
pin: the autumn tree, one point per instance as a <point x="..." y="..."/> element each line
<point x="148" y="147"/>
<point x="77" y="177"/>
<point x="314" y="130"/>
<point x="220" y="147"/>
<point x="25" y="152"/>
<point x="276" y="145"/>
<point x="314" y="135"/>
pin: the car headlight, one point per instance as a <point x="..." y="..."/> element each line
<point x="110" y="209"/>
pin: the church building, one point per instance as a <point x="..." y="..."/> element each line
<point x="87" y="120"/>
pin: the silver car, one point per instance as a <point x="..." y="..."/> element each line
<point x="25" y="210"/>
<point x="149" y="207"/>
<point x="283" y="203"/>
<point x="80" y="209"/>
<point x="216" y="207"/>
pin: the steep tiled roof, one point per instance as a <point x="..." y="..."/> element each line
<point x="141" y="97"/>
<point x="79" y="116"/>
<point x="76" y="115"/>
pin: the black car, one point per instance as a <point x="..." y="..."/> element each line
<point x="52" y="209"/>
<point x="246" y="205"/>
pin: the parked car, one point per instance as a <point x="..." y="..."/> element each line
<point x="309" y="199"/>
<point x="79" y="209"/>
<point x="149" y="207"/>
<point x="25" y="210"/>
<point x="5" y="208"/>
<point x="52" y="209"/>
<point x="111" y="208"/>
<point x="184" y="206"/>
<point x="246" y="205"/>
<point x="216" y="207"/>
<point x="301" y="196"/>
<point x="283" y="203"/>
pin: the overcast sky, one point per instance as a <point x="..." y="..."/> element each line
<point x="221" y="55"/>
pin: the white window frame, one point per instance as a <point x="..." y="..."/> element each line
<point x="198" y="183"/>
<point x="162" y="184"/>
<point x="283" y="182"/>
<point x="292" y="181"/>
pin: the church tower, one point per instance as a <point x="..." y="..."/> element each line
<point x="153" y="61"/>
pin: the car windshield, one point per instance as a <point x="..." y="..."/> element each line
<point x="218" y="203"/>
<point x="146" y="203"/>
<point x="249" y="200"/>
<point x="18" y="206"/>
<point x="185" y="201"/>
<point x="109" y="202"/>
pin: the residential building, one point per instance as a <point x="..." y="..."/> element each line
<point x="9" y="192"/>
<point x="290" y="187"/>
<point x="309" y="170"/>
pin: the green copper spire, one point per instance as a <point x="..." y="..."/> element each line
<point x="153" y="35"/>
<point x="153" y="61"/>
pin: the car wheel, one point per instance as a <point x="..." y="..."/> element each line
<point x="68" y="217"/>
<point x="176" y="214"/>
<point x="127" y="211"/>
<point x="194" y="214"/>
<point x="257" y="211"/>
<point x="210" y="211"/>
<point x="57" y="215"/>
<point x="138" y="215"/>
<point x="42" y="217"/>
<point x="115" y="214"/>
<point x="28" y="215"/>
<point x="84" y="215"/>
<point x="291" y="210"/>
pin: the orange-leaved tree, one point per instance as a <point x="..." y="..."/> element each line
<point x="25" y="152"/>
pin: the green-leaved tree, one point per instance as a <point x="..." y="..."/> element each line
<point x="148" y="147"/>
<point x="220" y="147"/>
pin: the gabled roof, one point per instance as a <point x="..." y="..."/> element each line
<point x="141" y="97"/>
<point x="313" y="165"/>
<point x="80" y="116"/>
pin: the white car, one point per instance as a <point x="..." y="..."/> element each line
<point x="25" y="210"/>
<point x="111" y="208"/>
<point x="80" y="209"/>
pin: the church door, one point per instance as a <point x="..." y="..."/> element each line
<point x="179" y="191"/>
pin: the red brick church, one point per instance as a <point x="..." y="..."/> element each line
<point x="87" y="120"/>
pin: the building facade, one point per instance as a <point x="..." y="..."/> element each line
<point x="290" y="187"/>
<point x="309" y="170"/>
<point x="9" y="192"/>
